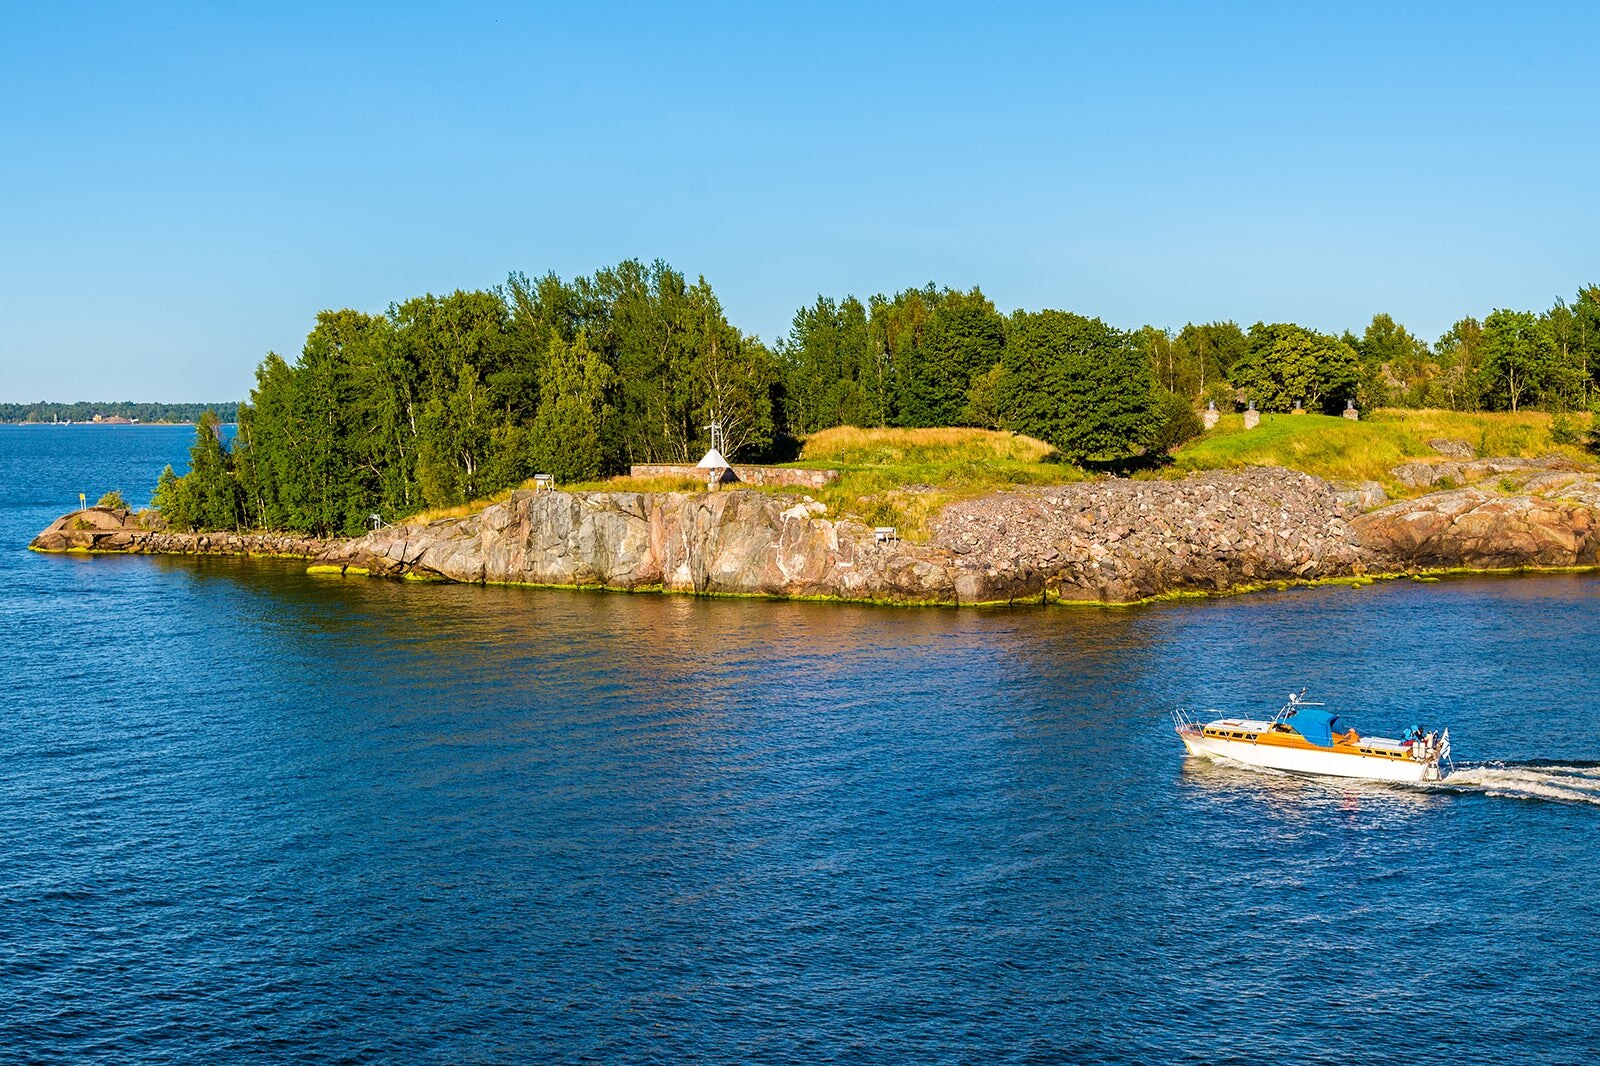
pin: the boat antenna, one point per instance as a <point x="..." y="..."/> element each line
<point x="1297" y="700"/>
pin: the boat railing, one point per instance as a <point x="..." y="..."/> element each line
<point x="1185" y="721"/>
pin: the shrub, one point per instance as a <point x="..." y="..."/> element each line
<point x="1178" y="423"/>
<point x="175" y="499"/>
<point x="1562" y="428"/>
<point x="112" y="499"/>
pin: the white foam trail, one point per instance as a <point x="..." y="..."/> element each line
<point x="1563" y="784"/>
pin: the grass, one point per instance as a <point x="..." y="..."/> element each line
<point x="848" y="447"/>
<point x="898" y="477"/>
<point x="460" y="510"/>
<point x="1340" y="449"/>
<point x="904" y="477"/>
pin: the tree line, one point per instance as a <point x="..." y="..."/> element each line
<point x="444" y="399"/>
<point x="1505" y="361"/>
<point x="85" y="411"/>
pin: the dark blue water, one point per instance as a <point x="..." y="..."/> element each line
<point x="252" y="815"/>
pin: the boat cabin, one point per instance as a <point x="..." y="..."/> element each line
<point x="1310" y="725"/>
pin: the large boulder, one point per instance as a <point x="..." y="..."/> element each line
<point x="1453" y="474"/>
<point x="92" y="529"/>
<point x="709" y="543"/>
<point x="1477" y="528"/>
<point x="1453" y="448"/>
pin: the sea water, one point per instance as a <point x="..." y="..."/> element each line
<point x="253" y="815"/>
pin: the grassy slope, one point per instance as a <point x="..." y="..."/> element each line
<point x="903" y="477"/>
<point x="1343" y="450"/>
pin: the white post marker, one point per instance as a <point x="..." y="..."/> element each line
<point x="83" y="501"/>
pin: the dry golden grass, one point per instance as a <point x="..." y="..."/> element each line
<point x="460" y="510"/>
<point x="624" y="483"/>
<point x="853" y="446"/>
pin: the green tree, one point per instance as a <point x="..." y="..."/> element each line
<point x="965" y="336"/>
<point x="1285" y="364"/>
<point x="1211" y="349"/>
<point x="1586" y="336"/>
<point x="1567" y="381"/>
<point x="1078" y="384"/>
<point x="832" y="374"/>
<point x="175" y="500"/>
<point x="1517" y="360"/>
<point x="1460" y="353"/>
<point x="1397" y="367"/>
<point x="566" y="436"/>
<point x="899" y="327"/>
<point x="457" y="345"/>
<point x="1176" y="421"/>
<point x="208" y="496"/>
<point x="985" y="398"/>
<point x="211" y="480"/>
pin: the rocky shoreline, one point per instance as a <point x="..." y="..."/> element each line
<point x="109" y="530"/>
<point x="1111" y="541"/>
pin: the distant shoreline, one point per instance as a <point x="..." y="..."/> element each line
<point x="114" y="412"/>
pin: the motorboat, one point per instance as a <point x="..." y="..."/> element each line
<point x="1304" y="738"/>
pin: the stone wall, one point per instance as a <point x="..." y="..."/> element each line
<point x="775" y="476"/>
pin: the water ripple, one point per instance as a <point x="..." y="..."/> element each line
<point x="250" y="815"/>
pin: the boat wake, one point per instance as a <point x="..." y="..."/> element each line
<point x="1534" y="780"/>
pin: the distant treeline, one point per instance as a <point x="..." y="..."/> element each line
<point x="84" y="411"/>
<point x="444" y="399"/>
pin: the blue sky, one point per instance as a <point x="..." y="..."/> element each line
<point x="184" y="187"/>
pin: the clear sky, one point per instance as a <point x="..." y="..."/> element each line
<point x="184" y="187"/>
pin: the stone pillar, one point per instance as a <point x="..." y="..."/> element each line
<point x="1350" y="411"/>
<point x="1209" y="416"/>
<point x="1252" y="417"/>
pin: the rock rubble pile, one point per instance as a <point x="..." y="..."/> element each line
<point x="1119" y="540"/>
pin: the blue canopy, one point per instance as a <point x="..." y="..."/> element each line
<point x="1315" y="724"/>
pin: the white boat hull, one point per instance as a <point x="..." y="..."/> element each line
<point x="1306" y="760"/>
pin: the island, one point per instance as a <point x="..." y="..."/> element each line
<point x="1097" y="540"/>
<point x="920" y="448"/>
